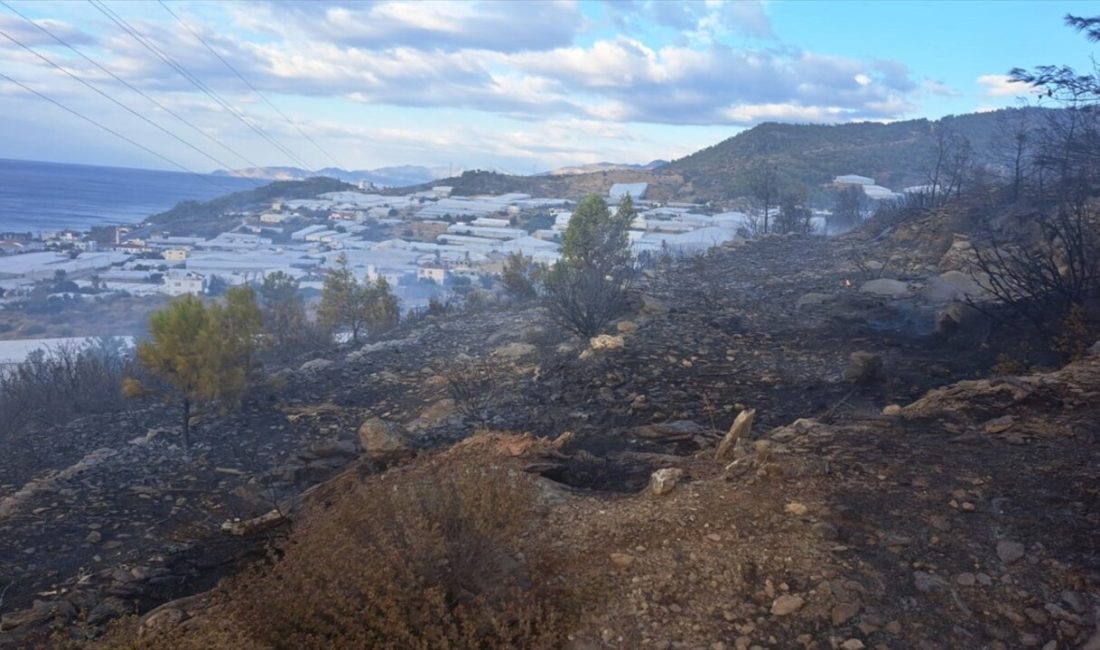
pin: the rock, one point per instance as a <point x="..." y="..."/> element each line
<point x="37" y="614"/>
<point x="168" y="617"/>
<point x="813" y="300"/>
<point x="740" y="428"/>
<point x="844" y="612"/>
<point x="797" y="509"/>
<point x="928" y="582"/>
<point x="622" y="560"/>
<point x="965" y="579"/>
<point x="951" y="286"/>
<point x="959" y="318"/>
<point x="1094" y="349"/>
<point x="786" y="604"/>
<point x="109" y="609"/>
<point x="1009" y="551"/>
<point x="314" y="366"/>
<point x="333" y="449"/>
<point x="998" y="425"/>
<point x="885" y="287"/>
<point x="863" y="368"/>
<point x="651" y="305"/>
<point x="383" y="441"/>
<point x="892" y="410"/>
<point x="514" y="351"/>
<point x="626" y="327"/>
<point x="606" y="342"/>
<point x="852" y="644"/>
<point x="669" y="431"/>
<point x="664" y="480"/>
<point x="94" y="537"/>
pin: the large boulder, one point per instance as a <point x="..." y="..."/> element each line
<point x="515" y="351"/>
<point x="383" y="441"/>
<point x="885" y="287"/>
<point x="951" y="286"/>
<point x="960" y="319"/>
<point x="863" y="368"/>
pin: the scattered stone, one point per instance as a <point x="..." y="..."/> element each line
<point x="965" y="579"/>
<point x="885" y="287"/>
<point x="844" y="612"/>
<point x="664" y="480"/>
<point x="94" y="537"/>
<point x="786" y="604"/>
<point x="606" y="342"/>
<point x="892" y="410"/>
<point x="863" y="368"/>
<point x="626" y="327"/>
<point x="315" y="366"/>
<point x="334" y="449"/>
<point x="813" y="300"/>
<point x="797" y="509"/>
<point x="109" y="609"/>
<point x="852" y="644"/>
<point x="515" y="351"/>
<point x="383" y="441"/>
<point x="622" y="560"/>
<point x="651" y="305"/>
<point x="1009" y="551"/>
<point x="927" y="582"/>
<point x="998" y="425"/>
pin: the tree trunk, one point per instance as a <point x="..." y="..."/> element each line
<point x="187" y="424"/>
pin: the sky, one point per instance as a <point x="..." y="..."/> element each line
<point x="520" y="86"/>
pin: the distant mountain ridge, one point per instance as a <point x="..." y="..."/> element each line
<point x="603" y="167"/>
<point x="394" y="176"/>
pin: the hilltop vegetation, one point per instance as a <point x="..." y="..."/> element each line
<point x="895" y="155"/>
<point x="208" y="218"/>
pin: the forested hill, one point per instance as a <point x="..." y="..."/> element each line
<point x="895" y="154"/>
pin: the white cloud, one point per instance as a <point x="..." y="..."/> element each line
<point x="999" y="85"/>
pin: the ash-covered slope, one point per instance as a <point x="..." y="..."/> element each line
<point x="848" y="525"/>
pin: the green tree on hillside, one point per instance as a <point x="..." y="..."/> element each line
<point x="794" y="216"/>
<point x="200" y="354"/>
<point x="383" y="309"/>
<point x="358" y="307"/>
<point x="587" y="289"/>
<point x="284" y="315"/>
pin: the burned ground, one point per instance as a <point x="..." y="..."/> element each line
<point x="897" y="509"/>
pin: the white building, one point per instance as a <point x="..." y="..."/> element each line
<point x="176" y="254"/>
<point x="852" y="179"/>
<point x="180" y="284"/>
<point x="432" y="272"/>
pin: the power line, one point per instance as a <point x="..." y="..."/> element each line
<point x="249" y="84"/>
<point x="125" y="26"/>
<point x="129" y="85"/>
<point x="114" y="132"/>
<point x="112" y="99"/>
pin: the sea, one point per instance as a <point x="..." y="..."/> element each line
<point x="39" y="197"/>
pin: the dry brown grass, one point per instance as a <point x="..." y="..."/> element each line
<point x="428" y="559"/>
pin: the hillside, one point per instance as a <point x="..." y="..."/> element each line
<point x="895" y="155"/>
<point x="839" y="519"/>
<point x="207" y="219"/>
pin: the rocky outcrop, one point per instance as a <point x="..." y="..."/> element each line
<point x="383" y="442"/>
